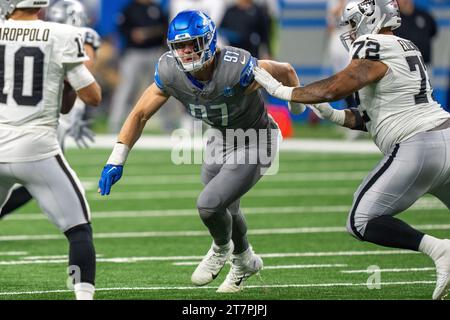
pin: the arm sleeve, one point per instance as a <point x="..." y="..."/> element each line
<point x="247" y="75"/>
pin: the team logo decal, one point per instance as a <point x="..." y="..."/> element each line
<point x="367" y="7"/>
<point x="228" y="92"/>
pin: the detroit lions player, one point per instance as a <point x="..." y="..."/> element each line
<point x="398" y="110"/>
<point x="73" y="13"/>
<point x="35" y="59"/>
<point x="215" y="85"/>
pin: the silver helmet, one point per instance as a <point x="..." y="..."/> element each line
<point x="70" y="12"/>
<point x="8" y="6"/>
<point x="369" y="17"/>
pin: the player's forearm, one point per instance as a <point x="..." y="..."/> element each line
<point x="289" y="77"/>
<point x="149" y="103"/>
<point x="132" y="129"/>
<point x="326" y="90"/>
<point x="91" y="54"/>
<point x="354" y="120"/>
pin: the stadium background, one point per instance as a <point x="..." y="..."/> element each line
<point x="302" y="38"/>
<point x="147" y="232"/>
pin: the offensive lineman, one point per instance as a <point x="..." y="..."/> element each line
<point x="398" y="110"/>
<point x="71" y="12"/>
<point x="215" y="85"/>
<point x="35" y="59"/>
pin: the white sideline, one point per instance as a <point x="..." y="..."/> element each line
<point x="308" y="285"/>
<point x="198" y="233"/>
<point x="153" y="142"/>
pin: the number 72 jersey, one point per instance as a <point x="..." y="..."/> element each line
<point x="401" y="104"/>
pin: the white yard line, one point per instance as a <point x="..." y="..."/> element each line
<point x="279" y="193"/>
<point x="389" y="270"/>
<point x="63" y="258"/>
<point x="198" y="233"/>
<point x="421" y="204"/>
<point x="178" y="179"/>
<point x="13" y="253"/>
<point x="182" y="288"/>
<point x="275" y="267"/>
<point x="189" y="212"/>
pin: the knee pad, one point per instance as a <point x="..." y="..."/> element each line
<point x="208" y="203"/>
<point x="82" y="232"/>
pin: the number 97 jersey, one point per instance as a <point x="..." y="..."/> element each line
<point x="34" y="57"/>
<point x="401" y="104"/>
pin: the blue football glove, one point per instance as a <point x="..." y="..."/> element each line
<point x="110" y="175"/>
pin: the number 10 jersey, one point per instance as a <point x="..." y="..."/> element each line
<point x="34" y="58"/>
<point x="401" y="104"/>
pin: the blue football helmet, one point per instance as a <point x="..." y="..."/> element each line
<point x="196" y="27"/>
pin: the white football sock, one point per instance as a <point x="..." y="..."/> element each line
<point x="221" y="248"/>
<point x="84" y="291"/>
<point x="432" y="247"/>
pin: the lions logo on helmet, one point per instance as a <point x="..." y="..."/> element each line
<point x="197" y="28"/>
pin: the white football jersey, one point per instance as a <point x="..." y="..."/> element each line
<point x="401" y="104"/>
<point x="34" y="56"/>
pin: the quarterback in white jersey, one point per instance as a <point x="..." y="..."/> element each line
<point x="40" y="64"/>
<point x="72" y="124"/>
<point x="396" y="106"/>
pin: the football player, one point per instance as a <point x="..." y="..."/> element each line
<point x="397" y="108"/>
<point x="38" y="60"/>
<point x="73" y="13"/>
<point x="215" y="85"/>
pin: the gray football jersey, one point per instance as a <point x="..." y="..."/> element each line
<point x="220" y="102"/>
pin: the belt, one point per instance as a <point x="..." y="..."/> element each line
<point x="444" y="125"/>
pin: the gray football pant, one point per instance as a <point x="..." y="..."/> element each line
<point x="225" y="183"/>
<point x="413" y="168"/>
<point x="53" y="184"/>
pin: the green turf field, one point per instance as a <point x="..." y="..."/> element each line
<point x="149" y="237"/>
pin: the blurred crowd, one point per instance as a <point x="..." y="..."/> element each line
<point x="130" y="50"/>
<point x="129" y="54"/>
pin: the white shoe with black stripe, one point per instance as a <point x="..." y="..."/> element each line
<point x="212" y="264"/>
<point x="243" y="266"/>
